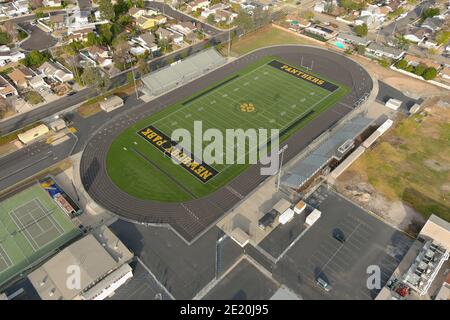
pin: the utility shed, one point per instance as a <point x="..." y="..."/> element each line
<point x="57" y="125"/>
<point x="111" y="103"/>
<point x="394" y="104"/>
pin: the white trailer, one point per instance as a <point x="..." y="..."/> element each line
<point x="286" y="216"/>
<point x="313" y="217"/>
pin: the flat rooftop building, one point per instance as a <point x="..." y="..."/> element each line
<point x="90" y="268"/>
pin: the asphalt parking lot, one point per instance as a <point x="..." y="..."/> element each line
<point x="369" y="241"/>
<point x="244" y="282"/>
<point x="141" y="287"/>
<point x="182" y="269"/>
<point x="387" y="92"/>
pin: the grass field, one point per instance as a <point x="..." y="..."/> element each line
<point x="277" y="100"/>
<point x="267" y="36"/>
<point x="32" y="226"/>
<point x="411" y="163"/>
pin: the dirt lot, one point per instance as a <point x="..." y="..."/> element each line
<point x="406" y="176"/>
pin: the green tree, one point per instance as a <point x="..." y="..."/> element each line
<point x="5" y="38"/>
<point x="125" y="20"/>
<point x="308" y="15"/>
<point x="402" y="64"/>
<point x="384" y="63"/>
<point x="164" y="45"/>
<point x="94" y="77"/>
<point x="420" y="69"/>
<point x="91" y="76"/>
<point x="442" y="36"/>
<point x="39" y="14"/>
<point x="36" y="58"/>
<point x="121" y="8"/>
<point x="361" y="30"/>
<point x="142" y="66"/>
<point x="106" y="35"/>
<point x="211" y="19"/>
<point x="106" y="10"/>
<point x="360" y="49"/>
<point x="429" y="74"/>
<point x="92" y="39"/>
<point x="139" y="3"/>
<point x="245" y="21"/>
<point x="430" y="12"/>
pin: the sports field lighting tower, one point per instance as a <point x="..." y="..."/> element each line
<point x="281" y="151"/>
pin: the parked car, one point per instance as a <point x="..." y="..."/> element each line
<point x="339" y="236"/>
<point x="323" y="284"/>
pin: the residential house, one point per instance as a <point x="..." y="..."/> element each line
<point x="320" y="6"/>
<point x="21" y="76"/>
<point x="6" y="88"/>
<point x="352" y="39"/>
<point x="146" y="23"/>
<point x="22" y="7"/>
<point x="417" y="35"/>
<point x="146" y="41"/>
<point x="55" y="71"/>
<point x="100" y="55"/>
<point x="57" y="22"/>
<point x="198" y="5"/>
<point x="169" y="35"/>
<point x="430" y="42"/>
<point x="8" y="55"/>
<point x="51" y="3"/>
<point x="225" y="16"/>
<point x="184" y="30"/>
<point x="80" y="34"/>
<point x="296" y="21"/>
<point x="381" y="51"/>
<point x="9" y="9"/>
<point x="324" y="32"/>
<point x="433" y="24"/>
<point x="138" y="12"/>
<point x="37" y="82"/>
<point x="394" y="5"/>
<point x="212" y="9"/>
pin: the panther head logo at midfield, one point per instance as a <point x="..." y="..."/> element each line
<point x="247" y="107"/>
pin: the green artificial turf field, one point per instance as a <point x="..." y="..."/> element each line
<point x="267" y="94"/>
<point x="32" y="226"/>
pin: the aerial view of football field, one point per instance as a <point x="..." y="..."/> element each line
<point x="268" y="94"/>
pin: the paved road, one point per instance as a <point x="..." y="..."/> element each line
<point x="30" y="160"/>
<point x="84" y="4"/>
<point x="180" y="16"/>
<point x="38" y="39"/>
<point x="396" y="26"/>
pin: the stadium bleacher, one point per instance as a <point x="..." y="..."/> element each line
<point x="176" y="74"/>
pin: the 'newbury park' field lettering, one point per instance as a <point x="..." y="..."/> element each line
<point x="198" y="169"/>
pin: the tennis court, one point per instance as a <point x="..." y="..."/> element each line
<point x="32" y="227"/>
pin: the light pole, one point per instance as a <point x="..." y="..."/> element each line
<point x="134" y="78"/>
<point x="281" y="151"/>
